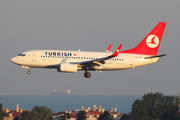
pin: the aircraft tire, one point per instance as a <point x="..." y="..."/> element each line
<point x="28" y="72"/>
<point x="87" y="75"/>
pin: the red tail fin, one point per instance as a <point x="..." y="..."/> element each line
<point x="151" y="43"/>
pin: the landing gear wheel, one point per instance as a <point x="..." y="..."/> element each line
<point x="87" y="75"/>
<point x="28" y="72"/>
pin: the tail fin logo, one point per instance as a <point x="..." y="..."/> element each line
<point x="152" y="41"/>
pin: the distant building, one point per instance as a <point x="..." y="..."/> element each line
<point x="93" y="115"/>
<point x="10" y="114"/>
<point x="90" y="114"/>
<point x="58" y="115"/>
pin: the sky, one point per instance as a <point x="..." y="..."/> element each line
<point x="89" y="25"/>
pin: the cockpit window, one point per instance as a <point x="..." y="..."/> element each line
<point x="21" y="55"/>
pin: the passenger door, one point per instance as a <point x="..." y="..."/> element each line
<point x="34" y="56"/>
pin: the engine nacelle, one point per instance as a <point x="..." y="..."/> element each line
<point x="67" y="67"/>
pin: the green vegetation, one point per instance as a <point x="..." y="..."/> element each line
<point x="16" y="118"/>
<point x="38" y="113"/>
<point x="1" y="112"/>
<point x="81" y="115"/>
<point x="105" y="116"/>
<point x="68" y="115"/>
<point x="154" y="106"/>
<point x="62" y="117"/>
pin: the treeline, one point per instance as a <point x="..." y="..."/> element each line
<point x="37" y="113"/>
<point x="154" y="106"/>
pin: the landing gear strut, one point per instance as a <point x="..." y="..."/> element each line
<point x="26" y="67"/>
<point x="87" y="74"/>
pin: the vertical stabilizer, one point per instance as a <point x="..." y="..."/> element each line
<point x="150" y="44"/>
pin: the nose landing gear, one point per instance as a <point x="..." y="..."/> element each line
<point x="26" y="67"/>
<point x="28" y="72"/>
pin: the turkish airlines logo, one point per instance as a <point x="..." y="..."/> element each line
<point x="152" y="41"/>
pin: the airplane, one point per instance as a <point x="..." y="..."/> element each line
<point x="74" y="61"/>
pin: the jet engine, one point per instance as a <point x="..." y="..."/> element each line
<point x="67" y="67"/>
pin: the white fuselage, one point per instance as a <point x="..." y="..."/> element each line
<point x="52" y="59"/>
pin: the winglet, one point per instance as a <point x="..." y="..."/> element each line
<point x="108" y="49"/>
<point x="117" y="51"/>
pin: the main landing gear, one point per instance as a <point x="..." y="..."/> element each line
<point x="87" y="74"/>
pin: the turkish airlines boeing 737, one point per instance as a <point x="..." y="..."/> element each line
<point x="73" y="61"/>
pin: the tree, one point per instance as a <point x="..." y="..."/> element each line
<point x="27" y="115"/>
<point x="68" y="116"/>
<point x="16" y="118"/>
<point x="105" y="116"/>
<point x="126" y="117"/>
<point x="155" y="106"/>
<point x="81" y="115"/>
<point x="38" y="113"/>
<point x="1" y="112"/>
<point x="63" y="117"/>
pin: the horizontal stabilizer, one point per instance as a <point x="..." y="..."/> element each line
<point x="155" y="56"/>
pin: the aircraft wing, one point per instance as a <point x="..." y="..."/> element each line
<point x="99" y="61"/>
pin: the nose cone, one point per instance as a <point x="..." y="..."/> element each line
<point x="14" y="59"/>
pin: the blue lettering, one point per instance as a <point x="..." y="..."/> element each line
<point x="54" y="53"/>
<point x="65" y="54"/>
<point x="59" y="54"/>
<point x="69" y="54"/>
<point x="50" y="53"/>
